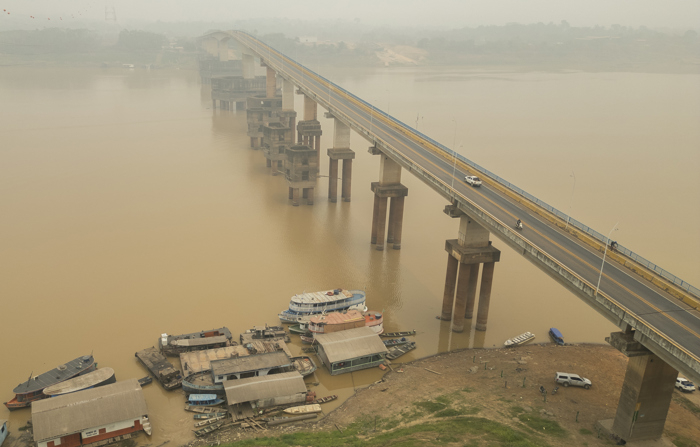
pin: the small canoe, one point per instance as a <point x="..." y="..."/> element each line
<point x="395" y="341"/>
<point x="145" y="380"/>
<point x="201" y="417"/>
<point x="398" y="334"/>
<point x="398" y="351"/>
<point x="304" y="409"/>
<point x="198" y="409"/>
<point x="556" y="336"/>
<point x="304" y="365"/>
<point x="208" y="429"/>
<point x="520" y="339"/>
<point x="206" y="422"/>
<point x="205" y="400"/>
<point x="323" y="400"/>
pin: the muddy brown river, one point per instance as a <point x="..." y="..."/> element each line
<point x="129" y="208"/>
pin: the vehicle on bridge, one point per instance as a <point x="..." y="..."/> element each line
<point x="473" y="180"/>
<point x="684" y="384"/>
<point x="567" y="379"/>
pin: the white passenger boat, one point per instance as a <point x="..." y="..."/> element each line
<point x="313" y="303"/>
<point x="520" y="339"/>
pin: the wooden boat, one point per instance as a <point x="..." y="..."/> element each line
<point x="210" y="421"/>
<point x="304" y="365"/>
<point x="201" y="417"/>
<point x="99" y="377"/>
<point x="33" y="389"/>
<point x="375" y="320"/>
<point x="556" y="336"/>
<point x="307" y="339"/>
<point x="304" y="409"/>
<point x="198" y="409"/>
<point x="323" y="400"/>
<point x="314" y="303"/>
<point x="145" y="380"/>
<point x="398" y="334"/>
<point x="308" y="350"/>
<point x="264" y="333"/>
<point x="398" y="351"/>
<point x="3" y="431"/>
<point x="202" y="383"/>
<point x="204" y="400"/>
<point x="520" y="339"/>
<point x="173" y="345"/>
<point x="327" y="323"/>
<point x="208" y="429"/>
<point x="159" y="366"/>
<point x="395" y="341"/>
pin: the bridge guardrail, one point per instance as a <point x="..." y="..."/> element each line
<point x="573" y="222"/>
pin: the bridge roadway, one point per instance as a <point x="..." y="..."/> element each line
<point x="663" y="324"/>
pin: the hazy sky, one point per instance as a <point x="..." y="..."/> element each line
<point x="436" y="13"/>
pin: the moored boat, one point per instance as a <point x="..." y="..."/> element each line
<point x="204" y="400"/>
<point x="143" y="381"/>
<point x="203" y="410"/>
<point x="174" y="345"/>
<point x="398" y="334"/>
<point x="398" y="351"/>
<point x="327" y="323"/>
<point x="264" y="333"/>
<point x="209" y="421"/>
<point x="299" y="329"/>
<point x="375" y="320"/>
<point x="395" y="341"/>
<point x="556" y="336"/>
<point x="93" y="379"/>
<point x="201" y="417"/>
<point x="202" y="383"/>
<point x="313" y="303"/>
<point x="304" y="409"/>
<point x="304" y="365"/>
<point x="3" y="431"/>
<point x="307" y="338"/>
<point x="33" y="389"/>
<point x="159" y="366"/>
<point x="520" y="339"/>
<point x="323" y="400"/>
<point x="208" y="429"/>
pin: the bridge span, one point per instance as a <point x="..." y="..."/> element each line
<point x="658" y="318"/>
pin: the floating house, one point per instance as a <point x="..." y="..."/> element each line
<point x="246" y="396"/>
<point x="350" y="350"/>
<point x="110" y="412"/>
<point x="251" y="366"/>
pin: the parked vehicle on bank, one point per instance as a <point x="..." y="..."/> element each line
<point x="567" y="379"/>
<point x="684" y="384"/>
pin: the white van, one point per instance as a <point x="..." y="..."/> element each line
<point x="567" y="379"/>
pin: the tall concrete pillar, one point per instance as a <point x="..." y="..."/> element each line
<point x="295" y="196"/>
<point x="310" y="109"/>
<point x="291" y="193"/>
<point x="471" y="291"/>
<point x="271" y="83"/>
<point x="333" y="180"/>
<point x="341" y="134"/>
<point x="375" y="218"/>
<point x="288" y="96"/>
<point x="482" y="315"/>
<point x="646" y="391"/>
<point x="461" y="298"/>
<point x="449" y="294"/>
<point x="310" y="197"/>
<point x="347" y="179"/>
<point x="396" y="222"/>
<point x="389" y="185"/>
<point x="248" y="66"/>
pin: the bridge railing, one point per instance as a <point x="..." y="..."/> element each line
<point x="573" y="222"/>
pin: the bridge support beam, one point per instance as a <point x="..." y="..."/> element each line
<point x="287" y="95"/>
<point x="646" y="392"/>
<point x="271" y="84"/>
<point x="465" y="255"/>
<point x="248" y="65"/>
<point x="340" y="151"/>
<point x="388" y="186"/>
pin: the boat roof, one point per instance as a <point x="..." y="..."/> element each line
<point x="97" y="407"/>
<point x="326" y="296"/>
<point x="264" y="387"/>
<point x="81" y="382"/>
<point x="222" y="330"/>
<point x="350" y="344"/>
<point x="197" y="397"/>
<point x="338" y="317"/>
<point x="197" y="361"/>
<point x="555" y="332"/>
<point x="185" y="342"/>
<point x="250" y="363"/>
<point x="56" y="375"/>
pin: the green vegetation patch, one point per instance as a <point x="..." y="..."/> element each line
<point x="682" y="441"/>
<point x="585" y="431"/>
<point x="429" y="406"/>
<point x="542" y="425"/>
<point x="685" y="403"/>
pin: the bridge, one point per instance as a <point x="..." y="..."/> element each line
<point x="655" y="311"/>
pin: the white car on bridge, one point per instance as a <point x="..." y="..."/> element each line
<point x="473" y="180"/>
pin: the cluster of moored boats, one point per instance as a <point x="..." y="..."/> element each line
<point x="525" y="337"/>
<point x="209" y="358"/>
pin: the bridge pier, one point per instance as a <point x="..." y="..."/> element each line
<point x="248" y="65"/>
<point x="340" y="151"/>
<point x="646" y="392"/>
<point x="388" y="186"/>
<point x="301" y="172"/>
<point x="465" y="255"/>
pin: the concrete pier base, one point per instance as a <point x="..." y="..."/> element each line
<point x="396" y="192"/>
<point x="335" y="154"/>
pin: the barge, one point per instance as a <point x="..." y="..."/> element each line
<point x="33" y="389"/>
<point x="174" y="345"/>
<point x="313" y="303"/>
<point x="267" y="333"/>
<point x="160" y="367"/>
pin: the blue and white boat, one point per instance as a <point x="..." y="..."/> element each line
<point x="204" y="400"/>
<point x="556" y="336"/>
<point x="314" y="303"/>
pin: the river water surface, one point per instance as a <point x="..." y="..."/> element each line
<point x="129" y="208"/>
